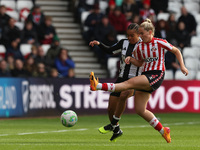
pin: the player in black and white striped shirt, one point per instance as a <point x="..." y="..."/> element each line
<point x="117" y="100"/>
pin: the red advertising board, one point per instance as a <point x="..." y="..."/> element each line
<point x="175" y="96"/>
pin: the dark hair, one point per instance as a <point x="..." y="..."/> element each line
<point x="134" y="26"/>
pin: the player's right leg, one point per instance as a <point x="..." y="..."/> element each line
<point x="138" y="83"/>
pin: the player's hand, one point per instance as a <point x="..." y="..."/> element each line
<point x="127" y="60"/>
<point x="184" y="70"/>
<point x="92" y="43"/>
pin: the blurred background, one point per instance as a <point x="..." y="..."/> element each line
<point x="45" y="59"/>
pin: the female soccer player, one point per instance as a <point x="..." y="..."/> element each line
<point x="150" y="52"/>
<point x="117" y="100"/>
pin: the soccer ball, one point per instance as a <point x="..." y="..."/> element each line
<point x="69" y="118"/>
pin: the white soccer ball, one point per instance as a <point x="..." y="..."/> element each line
<point x="69" y="118"/>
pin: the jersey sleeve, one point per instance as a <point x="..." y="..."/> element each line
<point x="114" y="49"/>
<point x="166" y="45"/>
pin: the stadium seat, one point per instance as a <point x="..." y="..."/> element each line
<point x="169" y="75"/>
<point x="180" y="76"/>
<point x="24" y="4"/>
<point x="112" y="66"/>
<point x="190" y="52"/>
<point x="46" y="47"/>
<point x="174" y="7"/>
<point x="121" y="36"/>
<point x="195" y="41"/>
<point x="192" y="63"/>
<point x="103" y="5"/>
<point x="198" y="29"/>
<point x="25" y="49"/>
<point x="13" y="14"/>
<point x="9" y="4"/>
<point x="84" y="16"/>
<point x="192" y="7"/>
<point x="2" y="51"/>
<point x="198" y="75"/>
<point x="20" y="25"/>
<point x="197" y="18"/>
<point x="163" y="16"/>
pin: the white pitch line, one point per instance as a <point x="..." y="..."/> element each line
<point x="138" y="126"/>
<point x="168" y="124"/>
<point x="42" y="132"/>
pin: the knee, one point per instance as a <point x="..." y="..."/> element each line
<point x="139" y="111"/>
<point x="124" y="95"/>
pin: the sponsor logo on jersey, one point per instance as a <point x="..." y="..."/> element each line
<point x="151" y="59"/>
<point x="153" y="49"/>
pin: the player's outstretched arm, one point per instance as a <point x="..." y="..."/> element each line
<point x="179" y="57"/>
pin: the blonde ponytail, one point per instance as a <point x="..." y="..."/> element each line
<point x="148" y="25"/>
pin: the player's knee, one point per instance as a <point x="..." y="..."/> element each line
<point x="124" y="95"/>
<point x="139" y="111"/>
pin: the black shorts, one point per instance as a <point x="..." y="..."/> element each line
<point x="155" y="78"/>
<point x="119" y="80"/>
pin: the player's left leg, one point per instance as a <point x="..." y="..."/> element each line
<point x="141" y="100"/>
<point x="112" y="104"/>
<point x="117" y="132"/>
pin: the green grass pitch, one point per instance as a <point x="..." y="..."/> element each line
<point x="49" y="134"/>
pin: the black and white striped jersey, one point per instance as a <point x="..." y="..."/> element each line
<point x="126" y="49"/>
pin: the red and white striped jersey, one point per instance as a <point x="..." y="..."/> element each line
<point x="153" y="53"/>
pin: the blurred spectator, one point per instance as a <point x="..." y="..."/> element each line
<point x="34" y="51"/>
<point x="40" y="58"/>
<point x="64" y="64"/>
<point x="84" y="5"/>
<point x="118" y="20"/>
<point x="102" y="29"/>
<point x="4" y="18"/>
<point x="159" y="6"/>
<point x="189" y="20"/>
<point x="29" y="35"/>
<point x="147" y="11"/>
<point x="29" y="65"/>
<point x="10" y="33"/>
<point x="10" y="62"/>
<point x="135" y="19"/>
<point x="14" y="50"/>
<point x="91" y="22"/>
<point x="172" y="28"/>
<point x="170" y="62"/>
<point x="182" y="36"/>
<point x="36" y="16"/>
<point x="129" y="8"/>
<point x="111" y="7"/>
<point x="54" y="73"/>
<point x="71" y="73"/>
<point x="162" y="29"/>
<point x="53" y="52"/>
<point x="46" y="31"/>
<point x="103" y="33"/>
<point x="4" y="72"/>
<point x="19" y="69"/>
<point x="40" y="71"/>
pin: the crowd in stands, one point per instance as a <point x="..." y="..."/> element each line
<point x="107" y="23"/>
<point x="38" y="30"/>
